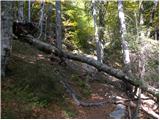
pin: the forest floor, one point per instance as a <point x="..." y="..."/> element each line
<point x="32" y="89"/>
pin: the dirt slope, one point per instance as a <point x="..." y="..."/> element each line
<point x="32" y="89"/>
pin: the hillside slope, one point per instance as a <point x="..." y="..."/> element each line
<point x="32" y="88"/>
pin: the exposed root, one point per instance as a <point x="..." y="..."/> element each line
<point x="75" y="97"/>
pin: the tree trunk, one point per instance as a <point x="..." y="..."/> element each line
<point x="50" y="32"/>
<point x="82" y="58"/>
<point x="6" y="33"/>
<point x="41" y="20"/>
<point x="102" y="12"/>
<point x="151" y="18"/>
<point x="99" y="45"/>
<point x="123" y="32"/>
<point x="156" y="33"/>
<point x="141" y="19"/>
<point x="15" y="15"/>
<point x="124" y="44"/>
<point x="29" y="11"/>
<point x="58" y="26"/>
<point x="21" y="11"/>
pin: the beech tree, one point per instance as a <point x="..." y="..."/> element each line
<point x="124" y="45"/>
<point x="152" y="15"/>
<point x="6" y="34"/>
<point x="41" y="20"/>
<point x="141" y="23"/>
<point x="49" y="21"/>
<point x="58" y="26"/>
<point x="21" y="11"/>
<point x="102" y="12"/>
<point x="123" y="32"/>
<point x="99" y="45"/>
<point x="29" y="11"/>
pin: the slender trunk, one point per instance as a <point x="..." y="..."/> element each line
<point x="102" y="12"/>
<point x="125" y="49"/>
<point x="15" y="15"/>
<point x="6" y="33"/>
<point x="99" y="45"/>
<point x="45" y="30"/>
<point x="136" y="24"/>
<point x="141" y="19"/>
<point x="141" y="64"/>
<point x="141" y="76"/>
<point x="58" y="26"/>
<point x="156" y="33"/>
<point x="49" y="21"/>
<point x="151" y="18"/>
<point x="29" y="11"/>
<point x="123" y="32"/>
<point x="153" y="11"/>
<point x="21" y="11"/>
<point x="136" y="114"/>
<point x="41" y="20"/>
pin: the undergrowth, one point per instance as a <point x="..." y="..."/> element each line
<point x="32" y="83"/>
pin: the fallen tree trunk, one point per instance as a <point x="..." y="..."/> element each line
<point x="47" y="48"/>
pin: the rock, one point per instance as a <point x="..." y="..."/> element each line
<point x="119" y="112"/>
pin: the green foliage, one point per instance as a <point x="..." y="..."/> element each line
<point x="69" y="113"/>
<point x="38" y="85"/>
<point x="77" y="19"/>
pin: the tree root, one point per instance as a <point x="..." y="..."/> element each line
<point x="75" y="97"/>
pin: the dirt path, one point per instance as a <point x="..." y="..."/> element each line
<point x="99" y="93"/>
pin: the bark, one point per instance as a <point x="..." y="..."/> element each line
<point x="58" y="26"/>
<point x="124" y="44"/>
<point x="29" y="11"/>
<point x="82" y="58"/>
<point x="156" y="33"/>
<point x="49" y="21"/>
<point x="102" y="12"/>
<point x="41" y="20"/>
<point x="141" y="21"/>
<point x="21" y="11"/>
<point x="153" y="11"/>
<point x="123" y="32"/>
<point x="15" y="15"/>
<point x="136" y="24"/>
<point x="6" y="33"/>
<point x="141" y="77"/>
<point x="99" y="45"/>
<point x="151" y="18"/>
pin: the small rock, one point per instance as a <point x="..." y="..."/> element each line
<point x="119" y="112"/>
